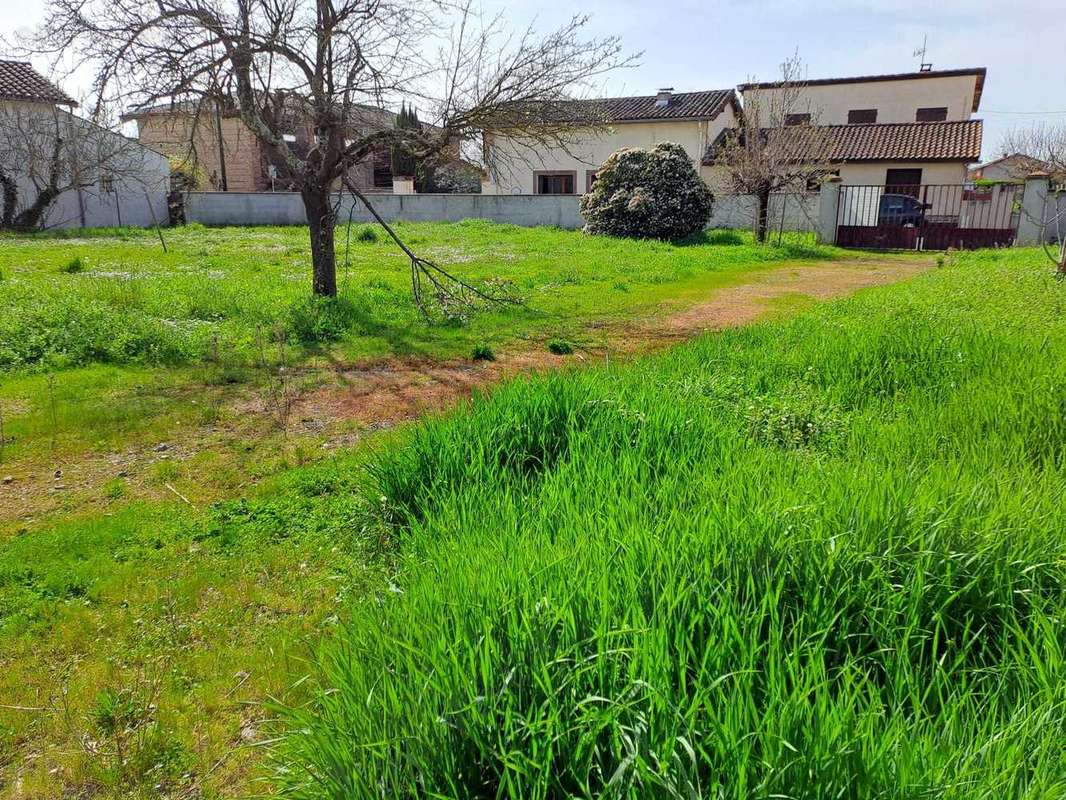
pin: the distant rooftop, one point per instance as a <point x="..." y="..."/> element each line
<point x="20" y="81"/>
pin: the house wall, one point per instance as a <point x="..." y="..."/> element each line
<point x="139" y="196"/>
<point x="139" y="201"/>
<point x="1009" y="169"/>
<point x="895" y="101"/>
<point x="193" y="140"/>
<point x="933" y="172"/>
<point x="519" y="161"/>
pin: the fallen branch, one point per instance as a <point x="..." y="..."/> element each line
<point x="450" y="294"/>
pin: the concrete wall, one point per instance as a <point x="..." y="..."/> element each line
<point x="519" y="162"/>
<point x="286" y="208"/>
<point x="793" y="212"/>
<point x="895" y="101"/>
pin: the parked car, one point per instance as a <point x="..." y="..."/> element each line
<point x="901" y="209"/>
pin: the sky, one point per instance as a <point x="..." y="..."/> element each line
<point x="692" y="45"/>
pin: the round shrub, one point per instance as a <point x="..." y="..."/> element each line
<point x="648" y="194"/>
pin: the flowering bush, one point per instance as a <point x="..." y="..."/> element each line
<point x="648" y="194"/>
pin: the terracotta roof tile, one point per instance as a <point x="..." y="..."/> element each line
<point x="903" y="141"/>
<point x="20" y="81"/>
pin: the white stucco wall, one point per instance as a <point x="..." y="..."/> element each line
<point x="518" y="162"/>
<point x="140" y="184"/>
<point x="895" y="101"/>
<point x="933" y="172"/>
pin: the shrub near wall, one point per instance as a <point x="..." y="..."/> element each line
<point x="648" y="194"/>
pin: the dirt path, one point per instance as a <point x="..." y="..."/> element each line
<point x="364" y="398"/>
<point x="400" y="390"/>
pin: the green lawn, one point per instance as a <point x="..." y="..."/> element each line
<point x="149" y="605"/>
<point x="107" y="340"/>
<point x="818" y="557"/>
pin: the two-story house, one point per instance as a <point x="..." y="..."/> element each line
<point x="904" y="129"/>
<point x="691" y="119"/>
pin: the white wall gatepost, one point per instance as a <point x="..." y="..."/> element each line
<point x="1034" y="204"/>
<point x="403" y="185"/>
<point x="828" y="209"/>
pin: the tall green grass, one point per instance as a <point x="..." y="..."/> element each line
<point x="815" y="559"/>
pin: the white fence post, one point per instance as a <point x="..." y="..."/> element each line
<point x="828" y="207"/>
<point x="1034" y="202"/>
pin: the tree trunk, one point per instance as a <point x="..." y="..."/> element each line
<point x="31" y="218"/>
<point x="10" y="201"/>
<point x="321" y="222"/>
<point x="762" y="219"/>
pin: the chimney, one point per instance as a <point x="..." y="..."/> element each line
<point x="663" y="98"/>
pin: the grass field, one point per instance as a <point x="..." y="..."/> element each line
<point x="150" y="601"/>
<point x="811" y="558"/>
<point x="107" y="340"/>
<point x="821" y="558"/>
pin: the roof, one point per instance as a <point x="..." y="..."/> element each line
<point x="202" y="105"/>
<point x="1029" y="163"/>
<point x="20" y="81"/>
<point x="892" y="141"/>
<point x="977" y="72"/>
<point x="682" y="106"/>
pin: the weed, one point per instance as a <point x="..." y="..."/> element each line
<point x="366" y="234"/>
<point x="315" y="320"/>
<point x="483" y="352"/>
<point x="560" y="347"/>
<point x="73" y="266"/>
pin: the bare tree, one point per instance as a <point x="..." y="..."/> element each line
<point x="46" y="151"/>
<point x="777" y="145"/>
<point x="322" y="62"/>
<point x="1046" y="146"/>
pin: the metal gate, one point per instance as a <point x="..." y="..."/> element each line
<point x="928" y="217"/>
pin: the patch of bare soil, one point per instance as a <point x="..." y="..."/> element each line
<point x="743" y="304"/>
<point x="381" y="395"/>
<point x="400" y="390"/>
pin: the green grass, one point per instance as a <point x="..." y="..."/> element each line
<point x="821" y="558"/>
<point x="241" y="294"/>
<point x="133" y="343"/>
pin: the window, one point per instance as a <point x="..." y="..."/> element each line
<point x="590" y="179"/>
<point x="862" y="116"/>
<point x="555" y="182"/>
<point x="107" y="184"/>
<point x="931" y="114"/>
<point x="903" y="181"/>
<point x="382" y="176"/>
<point x="797" y="119"/>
